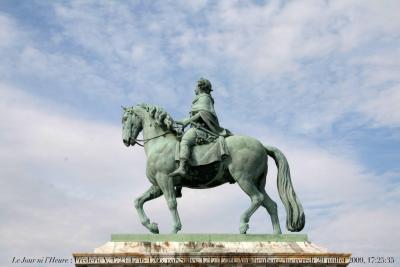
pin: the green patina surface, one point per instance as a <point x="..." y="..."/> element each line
<point x="209" y="238"/>
<point x="167" y="142"/>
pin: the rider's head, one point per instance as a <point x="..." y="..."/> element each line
<point x="203" y="86"/>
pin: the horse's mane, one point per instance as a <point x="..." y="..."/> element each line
<point x="160" y="116"/>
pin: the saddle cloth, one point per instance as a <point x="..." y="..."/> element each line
<point x="207" y="153"/>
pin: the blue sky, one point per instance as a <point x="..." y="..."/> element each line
<point x="318" y="79"/>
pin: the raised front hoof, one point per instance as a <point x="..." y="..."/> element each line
<point x="243" y="228"/>
<point x="153" y="227"/>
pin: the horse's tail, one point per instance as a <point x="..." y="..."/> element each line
<point x="295" y="215"/>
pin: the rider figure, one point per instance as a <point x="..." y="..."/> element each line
<point x="203" y="118"/>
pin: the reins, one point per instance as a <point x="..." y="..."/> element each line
<point x="148" y="139"/>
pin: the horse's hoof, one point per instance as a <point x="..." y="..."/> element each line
<point x="278" y="232"/>
<point x="243" y="228"/>
<point x="153" y="227"/>
<point x="175" y="231"/>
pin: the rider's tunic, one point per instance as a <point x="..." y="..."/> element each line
<point x="203" y="104"/>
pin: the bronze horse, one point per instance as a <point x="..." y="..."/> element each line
<point x="247" y="165"/>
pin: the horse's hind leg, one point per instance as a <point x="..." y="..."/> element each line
<point x="152" y="193"/>
<point x="257" y="198"/>
<point x="270" y="206"/>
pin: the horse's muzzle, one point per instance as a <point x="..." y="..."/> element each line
<point x="126" y="142"/>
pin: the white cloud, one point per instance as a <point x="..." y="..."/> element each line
<point x="311" y="63"/>
<point x="7" y="33"/>
<point x="358" y="230"/>
<point x="384" y="108"/>
<point x="54" y="170"/>
<point x="318" y="30"/>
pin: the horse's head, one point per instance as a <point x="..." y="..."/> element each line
<point x="131" y="126"/>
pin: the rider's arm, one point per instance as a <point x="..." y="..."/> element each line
<point x="204" y="101"/>
<point x="183" y="122"/>
<point x="194" y="118"/>
<point x="186" y="121"/>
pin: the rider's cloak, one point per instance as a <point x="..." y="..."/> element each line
<point x="203" y="105"/>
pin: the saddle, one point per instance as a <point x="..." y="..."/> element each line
<point x="203" y="154"/>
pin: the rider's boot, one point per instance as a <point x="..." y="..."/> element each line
<point x="181" y="171"/>
<point x="184" y="153"/>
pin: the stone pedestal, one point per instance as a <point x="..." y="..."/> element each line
<point x="210" y="250"/>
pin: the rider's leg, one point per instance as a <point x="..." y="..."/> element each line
<point x="188" y="140"/>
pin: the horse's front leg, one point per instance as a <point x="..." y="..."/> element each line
<point x="152" y="193"/>
<point x="167" y="186"/>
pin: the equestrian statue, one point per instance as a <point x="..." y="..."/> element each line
<point x="205" y="156"/>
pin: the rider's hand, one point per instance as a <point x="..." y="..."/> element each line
<point x="179" y="131"/>
<point x="178" y="128"/>
<point x="184" y="123"/>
